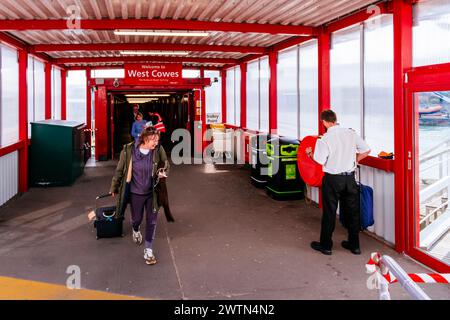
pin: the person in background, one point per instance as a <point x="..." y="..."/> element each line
<point x="138" y="126"/>
<point x="132" y="116"/>
<point x="137" y="173"/>
<point x="339" y="151"/>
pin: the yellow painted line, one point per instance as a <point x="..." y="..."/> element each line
<point x="18" y="289"/>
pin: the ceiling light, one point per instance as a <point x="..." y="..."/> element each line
<point x="148" y="95"/>
<point x="154" y="53"/>
<point x="160" y="33"/>
<point x="141" y="100"/>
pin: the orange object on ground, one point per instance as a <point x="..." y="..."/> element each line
<point x="310" y="171"/>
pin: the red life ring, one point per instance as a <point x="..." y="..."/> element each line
<point x="310" y="171"/>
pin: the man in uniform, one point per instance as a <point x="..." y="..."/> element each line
<point x="339" y="151"/>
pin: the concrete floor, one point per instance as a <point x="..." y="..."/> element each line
<point x="229" y="241"/>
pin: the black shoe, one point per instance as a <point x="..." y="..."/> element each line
<point x="346" y="245"/>
<point x="317" y="246"/>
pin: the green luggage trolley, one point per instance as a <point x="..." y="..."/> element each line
<point x="284" y="181"/>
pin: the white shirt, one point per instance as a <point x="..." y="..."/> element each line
<point x="337" y="149"/>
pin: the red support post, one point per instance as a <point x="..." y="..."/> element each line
<point x="324" y="42"/>
<point x="402" y="62"/>
<point x="48" y="90"/>
<point x="223" y="75"/>
<point x="23" y="121"/>
<point x="273" y="123"/>
<point x="243" y="95"/>
<point x="63" y="94"/>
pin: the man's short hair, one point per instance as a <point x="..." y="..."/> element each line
<point x="328" y="116"/>
<point x="148" y="133"/>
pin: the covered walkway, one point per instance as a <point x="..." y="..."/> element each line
<point x="229" y="241"/>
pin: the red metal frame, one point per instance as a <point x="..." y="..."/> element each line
<point x="23" y="121"/>
<point x="402" y="62"/>
<point x="243" y="67"/>
<point x="223" y="75"/>
<point x="11" y="148"/>
<point x="324" y="43"/>
<point x="63" y="94"/>
<point x="143" y="59"/>
<point x="412" y="143"/>
<point x="144" y="46"/>
<point x="157" y="24"/>
<point x="273" y="122"/>
<point x="48" y="90"/>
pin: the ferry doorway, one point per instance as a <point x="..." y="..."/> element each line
<point x="428" y="167"/>
<point x="174" y="107"/>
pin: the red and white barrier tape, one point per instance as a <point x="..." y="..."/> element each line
<point x="373" y="265"/>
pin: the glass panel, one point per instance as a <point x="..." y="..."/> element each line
<point x="56" y="93"/>
<point x="30" y="92"/>
<point x="108" y="73"/>
<point x="309" y="89"/>
<point x="213" y="97"/>
<point x="287" y="96"/>
<point x="9" y="97"/>
<point x="264" y="75"/>
<point x="433" y="173"/>
<point x="431" y="32"/>
<point x="76" y="96"/>
<point x="253" y="95"/>
<point x="379" y="84"/>
<point x="230" y="96"/>
<point x="345" y="77"/>
<point x="190" y="73"/>
<point x="39" y="90"/>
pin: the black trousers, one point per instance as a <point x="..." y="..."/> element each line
<point x="344" y="190"/>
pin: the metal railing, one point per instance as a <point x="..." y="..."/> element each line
<point x="389" y="265"/>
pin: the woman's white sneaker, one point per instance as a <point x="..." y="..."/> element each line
<point x="137" y="237"/>
<point x="149" y="256"/>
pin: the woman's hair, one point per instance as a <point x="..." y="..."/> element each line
<point x="138" y="115"/>
<point x="147" y="133"/>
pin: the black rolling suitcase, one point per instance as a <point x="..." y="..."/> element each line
<point x="105" y="223"/>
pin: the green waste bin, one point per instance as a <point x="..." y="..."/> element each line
<point x="56" y="156"/>
<point x="284" y="181"/>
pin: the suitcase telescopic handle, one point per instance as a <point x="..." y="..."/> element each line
<point x="104" y="196"/>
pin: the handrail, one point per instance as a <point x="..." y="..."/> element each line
<point x="410" y="286"/>
<point x="442" y="205"/>
<point x="432" y="189"/>
<point x="437" y="146"/>
<point x="432" y="156"/>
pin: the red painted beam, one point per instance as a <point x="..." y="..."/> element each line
<point x="13" y="41"/>
<point x="48" y="90"/>
<point x="156" y="24"/>
<point x="143" y="59"/>
<point x="291" y="42"/>
<point x="12" y="148"/>
<point x="359" y="17"/>
<point x="402" y="62"/>
<point x="23" y="121"/>
<point x="273" y="122"/>
<point x="243" y="95"/>
<point x="145" y="46"/>
<point x="324" y="43"/>
<point x="63" y="94"/>
<point x="223" y="75"/>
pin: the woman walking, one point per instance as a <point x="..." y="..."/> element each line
<point x="134" y="182"/>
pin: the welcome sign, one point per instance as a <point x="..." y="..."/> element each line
<point x="153" y="74"/>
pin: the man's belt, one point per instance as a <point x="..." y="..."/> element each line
<point x="341" y="174"/>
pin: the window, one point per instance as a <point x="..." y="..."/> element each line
<point x="56" y="93"/>
<point x="190" y="73"/>
<point x="287" y="92"/>
<point x="379" y="85"/>
<point x="258" y="95"/>
<point x="233" y="96"/>
<point x="76" y="96"/>
<point x="213" y="97"/>
<point x="108" y="73"/>
<point x="297" y="90"/>
<point x="362" y="90"/>
<point x="309" y="88"/>
<point x="345" y="77"/>
<point x="36" y="91"/>
<point x="9" y="125"/>
<point x="431" y="32"/>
